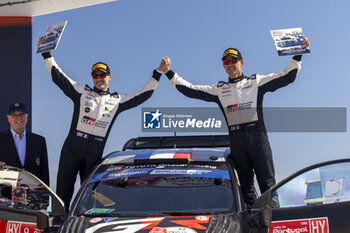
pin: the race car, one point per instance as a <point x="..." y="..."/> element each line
<point x="178" y="185"/>
<point x="22" y="196"/>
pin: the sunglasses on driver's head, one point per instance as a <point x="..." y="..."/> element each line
<point x="102" y="75"/>
<point x="230" y="60"/>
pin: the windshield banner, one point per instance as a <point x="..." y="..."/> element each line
<point x="147" y="172"/>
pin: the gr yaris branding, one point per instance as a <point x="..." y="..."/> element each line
<point x="88" y="120"/>
<point x="239" y="107"/>
<point x="183" y="119"/>
<point x="98" y="123"/>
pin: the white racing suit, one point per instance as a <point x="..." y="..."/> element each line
<point x="94" y="114"/>
<point x="240" y="100"/>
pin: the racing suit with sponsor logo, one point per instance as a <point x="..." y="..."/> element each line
<point x="240" y="100"/>
<point x="94" y="114"/>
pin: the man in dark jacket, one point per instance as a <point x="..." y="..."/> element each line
<point x="23" y="149"/>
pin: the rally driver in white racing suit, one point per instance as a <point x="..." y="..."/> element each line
<point x="95" y="110"/>
<point x="240" y="100"/>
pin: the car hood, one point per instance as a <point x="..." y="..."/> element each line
<point x="163" y="224"/>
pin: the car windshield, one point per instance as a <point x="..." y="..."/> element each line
<point x="157" y="190"/>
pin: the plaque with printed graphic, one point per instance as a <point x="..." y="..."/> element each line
<point x="52" y="37"/>
<point x="288" y="42"/>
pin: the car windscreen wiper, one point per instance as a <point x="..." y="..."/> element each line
<point x="105" y="201"/>
<point x="101" y="198"/>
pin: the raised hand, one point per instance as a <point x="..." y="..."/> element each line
<point x="41" y="41"/>
<point x="164" y="65"/>
<point x="306" y="42"/>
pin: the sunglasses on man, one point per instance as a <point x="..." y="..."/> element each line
<point x="101" y="75"/>
<point x="230" y="60"/>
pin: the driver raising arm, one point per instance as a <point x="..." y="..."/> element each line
<point x="95" y="110"/>
<point x="240" y="99"/>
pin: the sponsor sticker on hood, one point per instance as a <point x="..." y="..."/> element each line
<point x="167" y="224"/>
<point x="95" y="220"/>
<point x="173" y="230"/>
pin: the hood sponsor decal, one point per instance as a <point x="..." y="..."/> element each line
<point x="167" y="224"/>
<point x="95" y="220"/>
<point x="195" y="223"/>
<point x="179" y="172"/>
<point x="126" y="226"/>
<point x="109" y="219"/>
<point x="311" y="225"/>
<point x="203" y="219"/>
<point x="172" y="230"/>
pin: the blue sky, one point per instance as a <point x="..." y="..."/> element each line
<point x="133" y="35"/>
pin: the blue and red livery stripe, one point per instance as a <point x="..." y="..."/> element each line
<point x="164" y="154"/>
<point x="144" y="154"/>
<point x="183" y="154"/>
